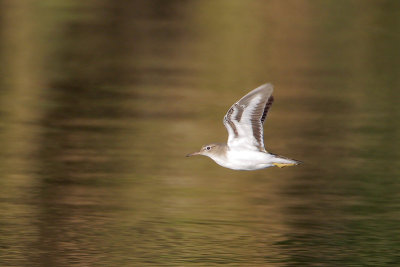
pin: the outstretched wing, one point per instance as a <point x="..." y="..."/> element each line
<point x="244" y="120"/>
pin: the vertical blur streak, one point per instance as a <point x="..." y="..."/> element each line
<point x="23" y="89"/>
<point x="22" y="80"/>
<point x="80" y="148"/>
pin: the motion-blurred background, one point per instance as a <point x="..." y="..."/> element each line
<point x="100" y="100"/>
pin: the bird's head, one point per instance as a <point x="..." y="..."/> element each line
<point x="206" y="150"/>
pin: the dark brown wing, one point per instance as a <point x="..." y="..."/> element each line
<point x="266" y="108"/>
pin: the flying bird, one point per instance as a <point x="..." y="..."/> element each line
<point x="245" y="147"/>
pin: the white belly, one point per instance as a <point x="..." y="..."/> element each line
<point x="245" y="160"/>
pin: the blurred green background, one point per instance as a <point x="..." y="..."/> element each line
<point x="100" y="100"/>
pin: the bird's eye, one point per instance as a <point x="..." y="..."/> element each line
<point x="208" y="148"/>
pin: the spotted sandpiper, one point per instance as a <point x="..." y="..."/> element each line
<point x="245" y="147"/>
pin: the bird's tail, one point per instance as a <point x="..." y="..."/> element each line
<point x="281" y="161"/>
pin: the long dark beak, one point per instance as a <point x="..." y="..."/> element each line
<point x="193" y="154"/>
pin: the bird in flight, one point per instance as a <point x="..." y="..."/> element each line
<point x="245" y="147"/>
